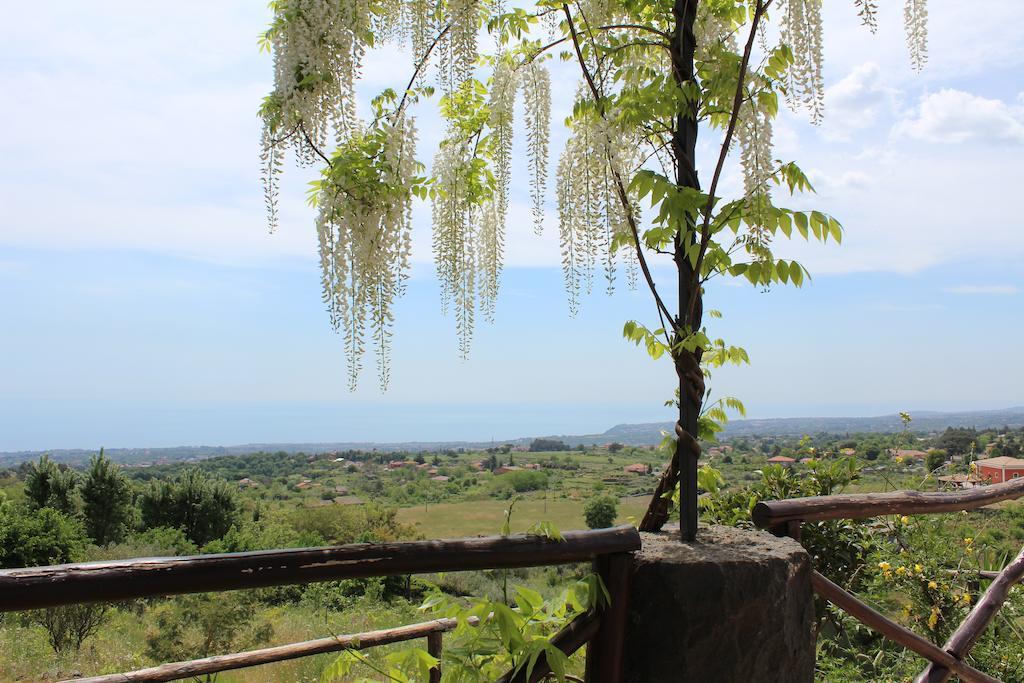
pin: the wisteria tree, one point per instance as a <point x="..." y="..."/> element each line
<point x="653" y="74"/>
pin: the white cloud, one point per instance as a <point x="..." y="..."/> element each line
<point x="848" y="181"/>
<point x="983" y="289"/>
<point x="954" y="116"/>
<point x="857" y="102"/>
<point x="126" y="141"/>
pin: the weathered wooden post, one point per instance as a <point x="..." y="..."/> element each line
<point x="604" y="653"/>
<point x="434" y="650"/>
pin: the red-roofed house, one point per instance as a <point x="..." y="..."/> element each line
<point x="782" y="460"/>
<point x="998" y="470"/>
<point x="906" y="453"/>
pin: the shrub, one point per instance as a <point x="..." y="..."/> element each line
<point x="38" y="537"/>
<point x="202" y="507"/>
<point x="106" y="501"/>
<point x="601" y="512"/>
<point x="205" y="624"/>
<point x="48" y="485"/>
<point x="67" y="627"/>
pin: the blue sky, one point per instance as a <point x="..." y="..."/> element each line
<point x="142" y="302"/>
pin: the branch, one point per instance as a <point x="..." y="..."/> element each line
<point x="541" y="50"/>
<point x="313" y="146"/>
<point x="649" y="29"/>
<point x="619" y="185"/>
<point x="419" y="66"/>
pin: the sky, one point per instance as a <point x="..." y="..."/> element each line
<point x="144" y="303"/>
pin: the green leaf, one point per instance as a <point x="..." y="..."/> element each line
<point x="801" y="223"/>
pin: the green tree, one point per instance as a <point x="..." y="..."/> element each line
<point x="203" y="625"/>
<point x="652" y="75"/>
<point x="67" y="627"/>
<point x="202" y="507"/>
<point x="548" y="445"/>
<point x="935" y="459"/>
<point x="956" y="441"/>
<point x="48" y="485"/>
<point x="106" y="501"/>
<point x="33" y="538"/>
<point x="600" y="512"/>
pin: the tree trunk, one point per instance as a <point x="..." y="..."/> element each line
<point x="683" y="468"/>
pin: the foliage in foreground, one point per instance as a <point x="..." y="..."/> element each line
<point x="920" y="571"/>
<point x="492" y="637"/>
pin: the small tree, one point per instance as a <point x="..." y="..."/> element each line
<point x="935" y="459"/>
<point x="67" y="627"/>
<point x="600" y="512"/>
<point x="202" y="507"/>
<point x="38" y="537"/>
<point x="48" y="485"/>
<point x="203" y="625"/>
<point x="652" y="75"/>
<point x="106" y="501"/>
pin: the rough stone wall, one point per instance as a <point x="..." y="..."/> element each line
<point x="735" y="605"/>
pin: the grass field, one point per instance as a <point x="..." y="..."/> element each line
<point x="485" y="517"/>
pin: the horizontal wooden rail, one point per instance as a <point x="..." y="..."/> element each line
<point x="112" y="581"/>
<point x="239" y="660"/>
<point x="895" y="632"/>
<point x="967" y="634"/>
<point x="775" y="513"/>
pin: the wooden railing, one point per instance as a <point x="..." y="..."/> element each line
<point x="784" y="517"/>
<point x="610" y="550"/>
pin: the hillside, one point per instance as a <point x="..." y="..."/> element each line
<point x="628" y="434"/>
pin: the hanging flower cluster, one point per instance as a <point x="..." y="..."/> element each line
<point x="915" y="22"/>
<point x="537" y="95"/>
<point x="504" y="86"/>
<point x="364" y="231"/>
<point x="754" y="135"/>
<point x="318" y="49"/>
<point x="800" y="28"/>
<point x="371" y="175"/>
<point x="592" y="171"/>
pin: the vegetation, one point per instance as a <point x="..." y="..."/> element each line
<point x="48" y="485"/>
<point x="203" y="508"/>
<point x="106" y="501"/>
<point x="600" y="512"/>
<point x="398" y="498"/>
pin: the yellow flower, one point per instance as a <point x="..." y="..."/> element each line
<point x="884" y="566"/>
<point x="933" y="618"/>
<point x="968" y="541"/>
<point x="933" y="585"/>
<point x="965" y="598"/>
<point x="901" y="570"/>
<point x="904" y="520"/>
<point x="919" y="568"/>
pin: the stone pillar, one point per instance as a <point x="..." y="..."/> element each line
<point x="734" y="605"/>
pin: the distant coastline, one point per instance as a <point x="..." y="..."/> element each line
<point x="636" y="434"/>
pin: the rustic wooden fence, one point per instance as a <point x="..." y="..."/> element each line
<point x="784" y="517"/>
<point x="610" y="550"/>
